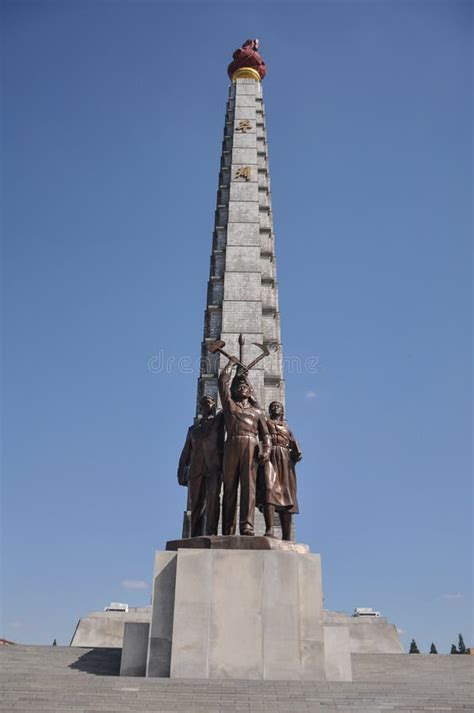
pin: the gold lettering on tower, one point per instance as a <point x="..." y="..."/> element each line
<point x="244" y="126"/>
<point x="243" y="172"/>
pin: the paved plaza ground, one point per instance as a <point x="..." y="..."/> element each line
<point x="58" y="679"/>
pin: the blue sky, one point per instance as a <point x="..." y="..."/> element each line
<point x="112" y="130"/>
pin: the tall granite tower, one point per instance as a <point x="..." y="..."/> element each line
<point x="242" y="294"/>
<point x="244" y="607"/>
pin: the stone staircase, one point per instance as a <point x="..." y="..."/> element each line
<point x="58" y="679"/>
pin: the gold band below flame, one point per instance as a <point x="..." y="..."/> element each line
<point x="246" y="73"/>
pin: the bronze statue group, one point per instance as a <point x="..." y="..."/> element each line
<point x="239" y="446"/>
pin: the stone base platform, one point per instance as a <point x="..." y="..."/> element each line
<point x="236" y="542"/>
<point x="232" y="610"/>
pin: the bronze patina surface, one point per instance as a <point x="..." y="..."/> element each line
<point x="200" y="468"/>
<point x="277" y="477"/>
<point x="246" y="430"/>
<point x="240" y="447"/>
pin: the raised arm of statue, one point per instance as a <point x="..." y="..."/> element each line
<point x="185" y="459"/>
<point x="223" y="383"/>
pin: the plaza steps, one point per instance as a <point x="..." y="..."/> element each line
<point x="55" y="679"/>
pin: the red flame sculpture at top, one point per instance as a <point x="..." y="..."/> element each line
<point x="247" y="56"/>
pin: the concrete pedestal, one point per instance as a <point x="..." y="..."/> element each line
<point x="239" y="614"/>
<point x="134" y="649"/>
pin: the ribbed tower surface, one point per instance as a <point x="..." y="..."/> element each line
<point x="242" y="292"/>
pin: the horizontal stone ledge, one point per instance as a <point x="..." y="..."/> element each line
<point x="272" y="382"/>
<point x="237" y="542"/>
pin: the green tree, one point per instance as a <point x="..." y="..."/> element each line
<point x="413" y="647"/>
<point x="461" y="645"/>
<point x="453" y="649"/>
<point x="433" y="649"/>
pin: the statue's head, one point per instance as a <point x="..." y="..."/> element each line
<point x="276" y="411"/>
<point x="207" y="406"/>
<point x="240" y="388"/>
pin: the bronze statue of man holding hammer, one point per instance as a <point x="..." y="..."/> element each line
<point x="246" y="429"/>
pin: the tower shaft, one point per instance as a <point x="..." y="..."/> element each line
<point x="242" y="294"/>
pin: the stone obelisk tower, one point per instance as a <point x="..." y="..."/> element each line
<point x="242" y="295"/>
